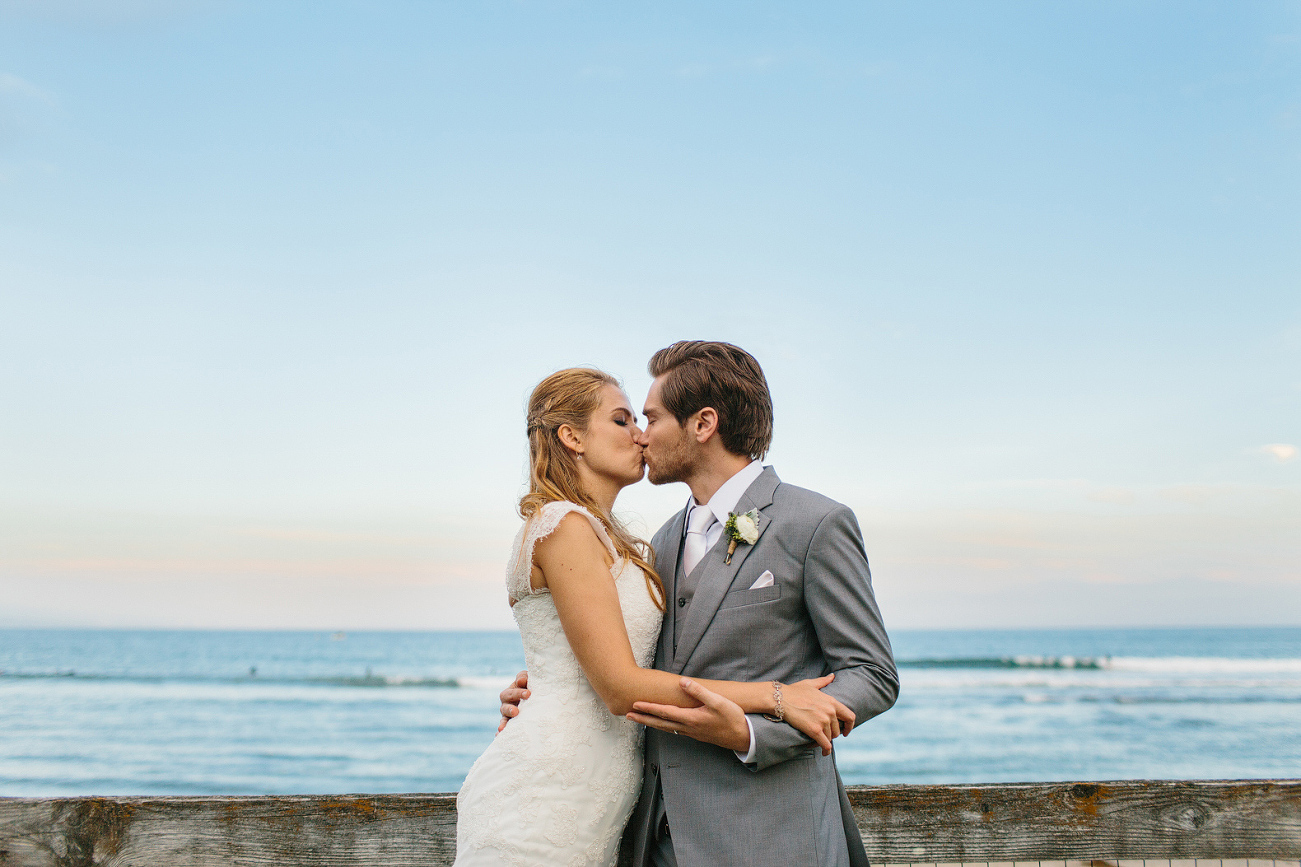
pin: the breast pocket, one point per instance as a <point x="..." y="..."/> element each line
<point x="738" y="598"/>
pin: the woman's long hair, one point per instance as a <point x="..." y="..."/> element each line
<point x="571" y="397"/>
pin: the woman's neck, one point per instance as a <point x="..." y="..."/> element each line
<point x="600" y="489"/>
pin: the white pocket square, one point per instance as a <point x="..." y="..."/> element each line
<point x="764" y="580"/>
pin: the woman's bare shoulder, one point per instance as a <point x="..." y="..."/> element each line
<point x="574" y="532"/>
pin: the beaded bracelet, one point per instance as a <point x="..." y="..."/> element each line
<point x="780" y="715"/>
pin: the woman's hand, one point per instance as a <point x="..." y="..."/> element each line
<point x="816" y="714"/>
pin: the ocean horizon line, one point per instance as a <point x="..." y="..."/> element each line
<point x="330" y="630"/>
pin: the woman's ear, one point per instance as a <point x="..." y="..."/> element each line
<point x="569" y="438"/>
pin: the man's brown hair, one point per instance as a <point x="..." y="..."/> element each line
<point x="701" y="373"/>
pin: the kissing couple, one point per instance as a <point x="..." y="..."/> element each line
<point x="744" y="639"/>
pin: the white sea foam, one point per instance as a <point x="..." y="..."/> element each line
<point x="496" y="683"/>
<point x="198" y="712"/>
<point x="1203" y="665"/>
<point x="1117" y="672"/>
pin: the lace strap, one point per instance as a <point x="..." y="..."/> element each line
<point x="542" y="524"/>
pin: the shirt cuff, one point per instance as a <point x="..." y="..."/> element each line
<point x="748" y="756"/>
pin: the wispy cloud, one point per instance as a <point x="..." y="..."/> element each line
<point x="1281" y="452"/>
<point x="11" y="85"/>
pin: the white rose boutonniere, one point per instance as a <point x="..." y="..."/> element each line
<point x="741" y="528"/>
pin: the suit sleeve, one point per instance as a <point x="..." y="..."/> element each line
<point x="840" y="604"/>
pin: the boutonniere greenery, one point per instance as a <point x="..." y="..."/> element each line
<point x="741" y="528"/>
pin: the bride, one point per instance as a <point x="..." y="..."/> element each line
<point x="558" y="784"/>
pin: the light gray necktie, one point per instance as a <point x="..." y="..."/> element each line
<point x="693" y="550"/>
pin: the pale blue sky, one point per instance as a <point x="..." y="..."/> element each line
<point x="276" y="279"/>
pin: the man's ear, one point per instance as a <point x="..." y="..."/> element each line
<point x="705" y="424"/>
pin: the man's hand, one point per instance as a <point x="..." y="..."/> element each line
<point x="716" y="721"/>
<point x="511" y="696"/>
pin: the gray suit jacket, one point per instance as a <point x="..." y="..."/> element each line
<point x="789" y="806"/>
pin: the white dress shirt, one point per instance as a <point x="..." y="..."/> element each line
<point x="722" y="504"/>
<point x="725" y="499"/>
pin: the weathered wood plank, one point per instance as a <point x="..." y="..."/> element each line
<point x="332" y="831"/>
<point x="900" y="824"/>
<point x="1081" y="821"/>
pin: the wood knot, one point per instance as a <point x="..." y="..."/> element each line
<point x="1083" y="791"/>
<point x="1188" y="817"/>
<point x="95" y="829"/>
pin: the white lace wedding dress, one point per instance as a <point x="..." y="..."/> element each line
<point x="557" y="786"/>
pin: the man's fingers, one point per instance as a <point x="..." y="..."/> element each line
<point x="512" y="692"/>
<point x="846" y="717"/>
<point x="823" y="741"/>
<point x="653" y="722"/>
<point x="708" y="698"/>
<point x="512" y="697"/>
<point x="670" y="712"/>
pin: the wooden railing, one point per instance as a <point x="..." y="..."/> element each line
<point x="901" y="825"/>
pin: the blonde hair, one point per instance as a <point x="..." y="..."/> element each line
<point x="572" y="397"/>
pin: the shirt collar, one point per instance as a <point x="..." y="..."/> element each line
<point x="729" y="493"/>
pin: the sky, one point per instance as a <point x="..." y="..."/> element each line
<point x="276" y="280"/>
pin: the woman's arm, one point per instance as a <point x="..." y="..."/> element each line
<point x="575" y="568"/>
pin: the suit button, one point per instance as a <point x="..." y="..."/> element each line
<point x="682" y="601"/>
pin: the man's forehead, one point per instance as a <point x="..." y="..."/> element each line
<point x="652" y="395"/>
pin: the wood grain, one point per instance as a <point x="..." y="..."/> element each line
<point x="1081" y="821"/>
<point x="900" y="824"/>
<point x="332" y="831"/>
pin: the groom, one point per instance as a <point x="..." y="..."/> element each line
<point x="720" y="786"/>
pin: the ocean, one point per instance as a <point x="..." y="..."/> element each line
<point x="118" y="712"/>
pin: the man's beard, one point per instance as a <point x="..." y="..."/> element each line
<point x="673" y="466"/>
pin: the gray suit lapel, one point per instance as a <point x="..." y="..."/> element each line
<point x="716" y="577"/>
<point x="666" y="557"/>
<point x="667" y="561"/>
